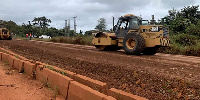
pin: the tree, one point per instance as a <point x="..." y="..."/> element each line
<point x="179" y="25"/>
<point x="61" y="32"/>
<point x="26" y="29"/>
<point x="194" y="29"/>
<point x="101" y="24"/>
<point x="12" y="26"/>
<point x="169" y="18"/>
<point x="88" y="33"/>
<point x="179" y="21"/>
<point x="41" y="22"/>
<point x="191" y="13"/>
<point x="52" y="32"/>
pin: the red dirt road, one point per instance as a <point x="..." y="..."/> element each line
<point x="15" y="86"/>
<point x="162" y="76"/>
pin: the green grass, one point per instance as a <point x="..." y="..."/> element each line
<point x="82" y="40"/>
<point x="37" y="39"/>
<point x="46" y="84"/>
<point x="49" y="67"/>
<point x="56" y="92"/>
<point x="3" y="51"/>
<point x="58" y="71"/>
<point x="16" y="56"/>
<point x="20" y="37"/>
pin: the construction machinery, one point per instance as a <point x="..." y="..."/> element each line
<point x="4" y="33"/>
<point x="134" y="35"/>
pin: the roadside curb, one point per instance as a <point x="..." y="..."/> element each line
<point x="68" y="84"/>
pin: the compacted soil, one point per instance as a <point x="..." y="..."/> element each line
<point x="157" y="77"/>
<point x="16" y="86"/>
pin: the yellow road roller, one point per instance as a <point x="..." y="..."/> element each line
<point x="134" y="35"/>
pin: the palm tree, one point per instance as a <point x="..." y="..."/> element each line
<point x="42" y="22"/>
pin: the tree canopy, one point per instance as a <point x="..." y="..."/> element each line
<point x="184" y="20"/>
<point x="101" y="24"/>
<point x="42" y="22"/>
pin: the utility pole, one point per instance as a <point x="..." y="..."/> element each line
<point x="75" y="24"/>
<point x="113" y="22"/>
<point x="152" y="21"/>
<point x="66" y="28"/>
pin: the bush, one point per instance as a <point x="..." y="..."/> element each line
<point x="183" y="44"/>
<point x="194" y="29"/>
<point x="83" y="40"/>
<point x="184" y="39"/>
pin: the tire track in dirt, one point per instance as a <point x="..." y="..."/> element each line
<point x="147" y="76"/>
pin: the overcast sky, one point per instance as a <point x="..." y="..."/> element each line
<point x="87" y="11"/>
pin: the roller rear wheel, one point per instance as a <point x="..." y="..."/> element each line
<point x="133" y="44"/>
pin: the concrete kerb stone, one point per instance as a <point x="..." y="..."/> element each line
<point x="56" y="80"/>
<point x="67" y="73"/>
<point x="79" y="91"/>
<point x="1" y="56"/>
<point x="5" y="57"/>
<point x="5" y="50"/>
<point x="40" y="74"/>
<point x="29" y="68"/>
<point x="109" y="98"/>
<point x="121" y="95"/>
<point x="94" y="84"/>
<point x="18" y="64"/>
<point x="59" y="81"/>
<point x="39" y="63"/>
<point x="10" y="52"/>
<point x="53" y="79"/>
<point x="11" y="60"/>
<point x="23" y="58"/>
<point x="2" y="49"/>
<point x="59" y="70"/>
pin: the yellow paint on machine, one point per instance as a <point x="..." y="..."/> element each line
<point x="149" y="42"/>
<point x="4" y="35"/>
<point x="104" y="41"/>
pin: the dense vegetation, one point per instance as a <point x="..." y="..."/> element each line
<point x="83" y="40"/>
<point x="184" y="31"/>
<point x="38" y="26"/>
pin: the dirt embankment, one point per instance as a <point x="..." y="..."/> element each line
<point x="16" y="86"/>
<point x="154" y="77"/>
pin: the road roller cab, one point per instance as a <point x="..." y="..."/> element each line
<point x="134" y="35"/>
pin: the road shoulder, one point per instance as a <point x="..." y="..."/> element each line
<point x="17" y="86"/>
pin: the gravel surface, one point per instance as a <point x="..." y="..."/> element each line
<point x="158" y="77"/>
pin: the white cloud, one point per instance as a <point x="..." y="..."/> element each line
<point x="87" y="11"/>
